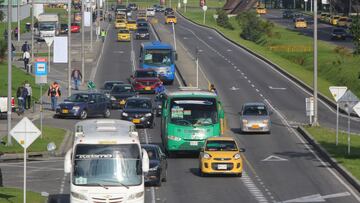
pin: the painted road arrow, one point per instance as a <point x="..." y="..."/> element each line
<point x="317" y="197"/>
<point x="234" y="88"/>
<point x="274" y="158"/>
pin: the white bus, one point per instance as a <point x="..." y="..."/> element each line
<point x="106" y="163"/>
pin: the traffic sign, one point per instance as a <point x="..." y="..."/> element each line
<point x="337" y="91"/>
<point x="348" y="101"/>
<point x="49" y="40"/>
<point x="309" y="105"/>
<point x="356" y="108"/>
<point x="25" y="132"/>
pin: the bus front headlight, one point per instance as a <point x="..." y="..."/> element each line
<point x="78" y="196"/>
<point x="136" y="195"/>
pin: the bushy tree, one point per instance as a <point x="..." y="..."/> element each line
<point x="3" y="49"/>
<point x="223" y="19"/>
<point x="355" y="32"/>
<point x="2" y="16"/>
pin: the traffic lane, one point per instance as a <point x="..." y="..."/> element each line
<point x="271" y="145"/>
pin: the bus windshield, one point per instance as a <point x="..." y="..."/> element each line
<point x="50" y="26"/>
<point x="193" y="111"/>
<point x="158" y="57"/>
<point x="107" y="165"/>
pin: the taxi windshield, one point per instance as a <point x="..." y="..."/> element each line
<point x="221" y="145"/>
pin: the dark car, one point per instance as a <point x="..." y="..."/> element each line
<point x="83" y="105"/>
<point x="141" y="20"/>
<point x="142" y="24"/>
<point x="338" y="33"/>
<point x="64" y="28"/>
<point x="139" y="110"/>
<point x="145" y="80"/>
<point x="108" y="85"/>
<point x="119" y="94"/>
<point x="168" y="11"/>
<point x="296" y="16"/>
<point x="288" y="14"/>
<point x="142" y="33"/>
<point x="132" y="6"/>
<point x="159" y="98"/>
<point x="158" y="165"/>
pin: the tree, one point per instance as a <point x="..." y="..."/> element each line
<point x="355" y="32"/>
<point x="223" y="20"/>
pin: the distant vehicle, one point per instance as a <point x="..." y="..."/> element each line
<point x="142" y="33"/>
<point x="261" y="10"/>
<point x="349" y="22"/>
<point x="255" y="117"/>
<point x="119" y="94"/>
<point x="108" y="85"/>
<point x="124" y="35"/>
<point x="170" y="19"/>
<point x="4" y="105"/>
<point x="64" y="28"/>
<point x="150" y="12"/>
<point x="141" y="20"/>
<point x="323" y="16"/>
<point x="334" y="20"/>
<point x="297" y="15"/>
<point x="120" y="24"/>
<point x="120" y="8"/>
<point x="142" y="24"/>
<point x="168" y="11"/>
<point x="84" y="105"/>
<point x="132" y="6"/>
<point x="106" y="162"/>
<point x="142" y="14"/>
<point x="159" y="8"/>
<point x="139" y="110"/>
<point x="300" y="23"/>
<point x="48" y="25"/>
<point x="338" y="33"/>
<point x="131" y="25"/>
<point x="194" y="115"/>
<point x="342" y="22"/>
<point x="158" y="165"/>
<point x="220" y="155"/>
<point x="145" y="80"/>
<point x="75" y="27"/>
<point x="287" y="14"/>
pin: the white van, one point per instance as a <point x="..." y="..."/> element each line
<point x="48" y="25"/>
<point x="106" y="163"/>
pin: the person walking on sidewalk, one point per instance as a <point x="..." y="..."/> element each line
<point x="5" y="34"/>
<point x="21" y="94"/>
<point x="54" y="93"/>
<point x="16" y="32"/>
<point x="28" y="97"/>
<point x="13" y="49"/>
<point x="25" y="47"/>
<point x="103" y="34"/>
<point x="76" y="77"/>
<point x="26" y="58"/>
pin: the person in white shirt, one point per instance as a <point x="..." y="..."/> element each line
<point x="28" y="97"/>
<point x="26" y="58"/>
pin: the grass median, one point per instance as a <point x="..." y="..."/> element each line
<point x="292" y="51"/>
<point x="8" y="195"/>
<point x="50" y="134"/>
<point x="327" y="139"/>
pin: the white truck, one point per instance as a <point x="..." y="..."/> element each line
<point x="4" y="106"/>
<point x="48" y="25"/>
<point x="106" y="163"/>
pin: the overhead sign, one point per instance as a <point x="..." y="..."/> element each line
<point x="25" y="132"/>
<point x="60" y="50"/>
<point x="337" y="92"/>
<point x="309" y="104"/>
<point x="348" y="101"/>
<point x="356" y="108"/>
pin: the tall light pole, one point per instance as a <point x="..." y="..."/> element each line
<point x="9" y="141"/>
<point x="350" y="7"/>
<point x="69" y="47"/>
<point x="32" y="30"/>
<point x="315" y="121"/>
<point x="18" y="19"/>
<point x="82" y="42"/>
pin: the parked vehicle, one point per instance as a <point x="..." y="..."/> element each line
<point x="75" y="27"/>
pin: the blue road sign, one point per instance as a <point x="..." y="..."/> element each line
<point x="41" y="68"/>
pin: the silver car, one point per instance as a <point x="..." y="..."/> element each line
<point x="255" y="117"/>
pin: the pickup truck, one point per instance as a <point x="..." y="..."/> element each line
<point x="3" y="105"/>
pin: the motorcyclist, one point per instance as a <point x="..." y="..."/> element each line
<point x="212" y="88"/>
<point x="160" y="89"/>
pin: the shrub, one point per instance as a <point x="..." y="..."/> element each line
<point x="355" y="32"/>
<point x="223" y="20"/>
<point x="3" y="48"/>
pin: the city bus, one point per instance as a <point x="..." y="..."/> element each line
<point x="106" y="162"/>
<point x="188" y="117"/>
<point x="160" y="57"/>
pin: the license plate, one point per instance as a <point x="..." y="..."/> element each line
<point x="136" y="120"/>
<point x="122" y="102"/>
<point x="221" y="166"/>
<point x="193" y="143"/>
<point x="255" y="126"/>
<point x="65" y="111"/>
<point x="147" y="88"/>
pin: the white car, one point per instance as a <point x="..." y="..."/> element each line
<point x="150" y="12"/>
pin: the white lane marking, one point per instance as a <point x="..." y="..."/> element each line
<point x="253" y="189"/>
<point x="152" y="192"/>
<point x="133" y="55"/>
<point x="274" y="158"/>
<point x="63" y="184"/>
<point x="228" y="50"/>
<point x="277" y="88"/>
<point x="249" y="81"/>
<point x="94" y="70"/>
<point x="118" y="52"/>
<point x="252" y="85"/>
<point x="317" y="197"/>
<point x="233" y="88"/>
<point x="257" y="90"/>
<point x="185" y="38"/>
<point x="209" y="37"/>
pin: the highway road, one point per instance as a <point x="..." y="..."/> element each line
<point x="324" y="30"/>
<point x="279" y="167"/>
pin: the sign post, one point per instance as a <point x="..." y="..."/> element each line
<point x="49" y="41"/>
<point x="337" y="92"/>
<point x="309" y="104"/>
<point x="41" y="79"/>
<point x="185" y="2"/>
<point x="25" y="133"/>
<point x="204" y="8"/>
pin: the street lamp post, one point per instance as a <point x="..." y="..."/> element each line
<point x="82" y="42"/>
<point x="18" y="19"/>
<point x="315" y="121"/>
<point x="69" y="47"/>
<point x="9" y="140"/>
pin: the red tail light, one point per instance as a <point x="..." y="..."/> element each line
<point x="12" y="102"/>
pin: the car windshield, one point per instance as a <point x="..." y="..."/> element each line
<point x="137" y="104"/>
<point x="122" y="88"/>
<point x="151" y="151"/>
<point x="47" y="26"/>
<point x="107" y="165"/>
<point x="300" y="20"/>
<point x="142" y="25"/>
<point x="221" y="145"/>
<point x="170" y="16"/>
<point x="124" y="31"/>
<point x="158" y="57"/>
<point x="142" y="30"/>
<point x="131" y="22"/>
<point x="193" y="111"/>
<point x="145" y="74"/>
<point x="78" y="98"/>
<point x="338" y="31"/>
<point x="109" y="85"/>
<point x="255" y="110"/>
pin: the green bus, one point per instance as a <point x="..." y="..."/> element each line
<point x="188" y="117"/>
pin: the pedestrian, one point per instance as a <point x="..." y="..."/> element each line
<point x="54" y="93"/>
<point x="76" y="77"/>
<point x="16" y="32"/>
<point x="28" y="97"/>
<point x="25" y="47"/>
<point x="13" y="49"/>
<point x="5" y="34"/>
<point x="160" y="89"/>
<point x="213" y="89"/>
<point x="21" y="94"/>
<point x="103" y="34"/>
<point x="109" y="17"/>
<point x="26" y="58"/>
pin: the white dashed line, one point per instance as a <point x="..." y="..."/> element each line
<point x="253" y="189"/>
<point x="63" y="183"/>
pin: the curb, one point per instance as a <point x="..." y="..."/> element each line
<point x="338" y="167"/>
<point x="293" y="78"/>
<point x="61" y="151"/>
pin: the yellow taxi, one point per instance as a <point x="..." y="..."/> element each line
<point x="120" y="24"/>
<point x="170" y="19"/>
<point x="124" y="35"/>
<point x="131" y="25"/>
<point x="220" y="155"/>
<point x="261" y="10"/>
<point x="334" y="20"/>
<point x="300" y="23"/>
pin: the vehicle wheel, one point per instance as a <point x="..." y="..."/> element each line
<point x="239" y="175"/>
<point x="201" y="173"/>
<point x="107" y="113"/>
<point x="83" y="115"/>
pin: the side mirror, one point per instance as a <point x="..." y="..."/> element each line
<point x="242" y="150"/>
<point x="145" y="161"/>
<point x="67" y="162"/>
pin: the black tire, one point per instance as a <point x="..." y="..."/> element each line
<point x="107" y="113"/>
<point x="239" y="175"/>
<point x="83" y="114"/>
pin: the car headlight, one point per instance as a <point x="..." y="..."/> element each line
<point x="148" y="114"/>
<point x="237" y="156"/>
<point x="206" y="156"/>
<point x="78" y="196"/>
<point x="76" y="108"/>
<point x="112" y="98"/>
<point x="125" y="114"/>
<point x="244" y="121"/>
<point x="172" y="137"/>
<point x="136" y="195"/>
<point x="154" y="168"/>
<point x="266" y="121"/>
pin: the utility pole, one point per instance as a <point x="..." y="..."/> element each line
<point x="315" y="121"/>
<point x="18" y="19"/>
<point x="82" y="42"/>
<point x="350" y="7"/>
<point x="69" y="48"/>
<point x="91" y="25"/>
<point x="9" y="140"/>
<point x="32" y="31"/>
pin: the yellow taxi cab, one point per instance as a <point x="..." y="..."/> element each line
<point x="120" y="24"/>
<point x="220" y="155"/>
<point x="131" y="25"/>
<point x="261" y="10"/>
<point x="170" y="19"/>
<point x="300" y="23"/>
<point x="334" y="20"/>
<point x="124" y="35"/>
